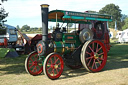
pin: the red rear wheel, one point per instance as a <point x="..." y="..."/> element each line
<point x="53" y="66"/>
<point x="94" y="55"/>
<point x="33" y="65"/>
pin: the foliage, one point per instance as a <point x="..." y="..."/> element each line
<point x="123" y="21"/>
<point x="115" y="12"/>
<point x="3" y="15"/>
<point x="125" y="24"/>
<point x="40" y="29"/>
<point x="25" y="28"/>
<point x="123" y="17"/>
<point x="3" y="0"/>
<point x="34" y="29"/>
<point x="18" y="27"/>
<point x="28" y="29"/>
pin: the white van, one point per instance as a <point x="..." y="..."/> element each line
<point x="123" y="36"/>
<point x="8" y="32"/>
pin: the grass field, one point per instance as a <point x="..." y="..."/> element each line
<point x="12" y="71"/>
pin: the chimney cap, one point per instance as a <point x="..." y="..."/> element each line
<point x="44" y="5"/>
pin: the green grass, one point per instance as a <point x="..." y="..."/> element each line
<point x="117" y="56"/>
<point x="12" y="65"/>
<point x="12" y="70"/>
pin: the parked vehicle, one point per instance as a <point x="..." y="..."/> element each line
<point x="9" y="33"/>
<point x="88" y="46"/>
<point x="118" y="35"/>
<point x="122" y="36"/>
<point x="22" y="44"/>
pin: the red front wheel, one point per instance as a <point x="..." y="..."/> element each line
<point x="53" y="66"/>
<point x="94" y="55"/>
<point x="33" y="65"/>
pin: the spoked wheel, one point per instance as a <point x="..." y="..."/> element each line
<point x="33" y="65"/>
<point x="53" y="66"/>
<point x="94" y="55"/>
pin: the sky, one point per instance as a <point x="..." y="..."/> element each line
<point x="28" y="12"/>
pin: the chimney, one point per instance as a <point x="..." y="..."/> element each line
<point x="44" y="13"/>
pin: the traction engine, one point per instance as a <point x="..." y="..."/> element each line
<point x="87" y="46"/>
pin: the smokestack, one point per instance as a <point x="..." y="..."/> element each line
<point x="42" y="46"/>
<point x="44" y="13"/>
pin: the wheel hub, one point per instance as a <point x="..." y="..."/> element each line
<point x="35" y="63"/>
<point x="55" y="66"/>
<point x="96" y="55"/>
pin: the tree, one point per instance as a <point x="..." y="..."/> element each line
<point x="40" y="29"/>
<point x="3" y="15"/>
<point x="126" y="24"/>
<point x="34" y="29"/>
<point x="123" y="17"/>
<point x="18" y="27"/>
<point x="115" y="12"/>
<point x="25" y="28"/>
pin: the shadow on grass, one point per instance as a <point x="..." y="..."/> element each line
<point x="16" y="66"/>
<point x="117" y="58"/>
<point x="12" y="65"/>
<point x="69" y="73"/>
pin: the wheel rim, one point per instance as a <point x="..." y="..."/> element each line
<point x="95" y="56"/>
<point x="54" y="66"/>
<point x="34" y="65"/>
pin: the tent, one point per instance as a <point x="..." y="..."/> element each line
<point x="123" y="38"/>
<point x="8" y="52"/>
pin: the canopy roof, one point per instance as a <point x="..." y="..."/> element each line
<point x="76" y="17"/>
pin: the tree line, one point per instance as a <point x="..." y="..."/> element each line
<point x="26" y="28"/>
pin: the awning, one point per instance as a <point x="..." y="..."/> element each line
<point x="76" y="17"/>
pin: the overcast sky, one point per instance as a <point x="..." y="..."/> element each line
<point x="22" y="12"/>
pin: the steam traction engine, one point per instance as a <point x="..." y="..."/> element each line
<point x="87" y="46"/>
